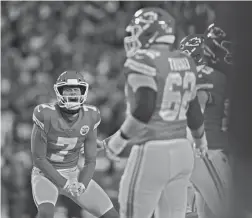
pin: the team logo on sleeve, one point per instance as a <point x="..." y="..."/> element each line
<point x="84" y="130"/>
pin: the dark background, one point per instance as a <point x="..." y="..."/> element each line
<point x="234" y="20"/>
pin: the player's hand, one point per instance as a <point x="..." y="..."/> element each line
<point x="100" y="145"/>
<point x="201" y="146"/>
<point x="74" y="188"/>
<point x="71" y="187"/>
<point x="80" y="189"/>
<point x="201" y="151"/>
<point x="112" y="156"/>
<point x="109" y="153"/>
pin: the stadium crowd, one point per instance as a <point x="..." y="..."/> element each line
<point x="39" y="41"/>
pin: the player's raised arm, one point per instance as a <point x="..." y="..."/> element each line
<point x="39" y="150"/>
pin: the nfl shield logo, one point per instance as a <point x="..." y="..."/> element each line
<point x="84" y="130"/>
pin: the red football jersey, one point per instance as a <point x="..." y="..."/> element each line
<point x="216" y="111"/>
<point x="64" y="142"/>
<point x="175" y="75"/>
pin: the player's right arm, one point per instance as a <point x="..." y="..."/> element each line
<point x="195" y="122"/>
<point x="140" y="74"/>
<point x="39" y="150"/>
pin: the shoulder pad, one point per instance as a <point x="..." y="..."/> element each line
<point x="152" y="54"/>
<point x="142" y="62"/>
<point x="184" y="54"/>
<point x="88" y="107"/>
<point x="95" y="114"/>
<point x="40" y="114"/>
<point x="204" y="80"/>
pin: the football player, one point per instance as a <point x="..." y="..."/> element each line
<point x="161" y="98"/>
<point x="211" y="175"/>
<point x="60" y="131"/>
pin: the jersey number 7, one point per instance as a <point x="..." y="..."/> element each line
<point x="175" y="102"/>
<point x="61" y="142"/>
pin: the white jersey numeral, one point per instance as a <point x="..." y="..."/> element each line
<point x="175" y="103"/>
<point x="61" y="142"/>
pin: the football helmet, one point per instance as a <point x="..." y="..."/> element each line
<point x="149" y="26"/>
<point x="193" y="45"/>
<point x="218" y="47"/>
<point x="71" y="79"/>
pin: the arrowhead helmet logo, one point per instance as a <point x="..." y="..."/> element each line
<point x="84" y="130"/>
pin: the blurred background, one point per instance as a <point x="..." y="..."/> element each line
<point x="40" y="40"/>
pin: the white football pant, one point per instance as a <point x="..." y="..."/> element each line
<point x="156" y="177"/>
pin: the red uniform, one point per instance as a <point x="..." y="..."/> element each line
<point x="151" y="175"/>
<point x="174" y="74"/>
<point x="64" y="144"/>
<point x="64" y="141"/>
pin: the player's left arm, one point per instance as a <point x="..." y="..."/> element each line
<point x="204" y="88"/>
<point x="90" y="153"/>
<point x="195" y="122"/>
<point x="145" y="92"/>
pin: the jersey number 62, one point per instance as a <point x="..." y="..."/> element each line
<point x="178" y="92"/>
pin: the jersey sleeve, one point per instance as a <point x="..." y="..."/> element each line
<point x="97" y="118"/>
<point x="142" y="63"/>
<point x="204" y="81"/>
<point x="38" y="117"/>
<point x="141" y="71"/>
<point x="95" y="114"/>
<point x="136" y="81"/>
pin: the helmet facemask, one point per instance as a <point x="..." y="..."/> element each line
<point x="146" y="29"/>
<point x="71" y="97"/>
<point x="193" y="45"/>
<point x="132" y="42"/>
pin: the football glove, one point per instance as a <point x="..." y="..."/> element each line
<point x="71" y="186"/>
<point x="102" y="145"/>
<point x="111" y="156"/>
<point x="74" y="187"/>
<point x="116" y="143"/>
<point x="201" y="145"/>
<point x="80" y="189"/>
